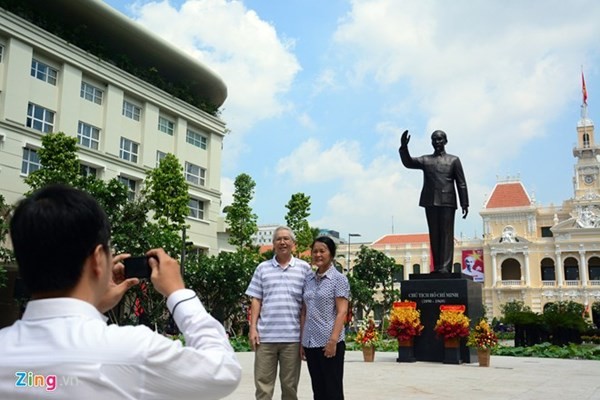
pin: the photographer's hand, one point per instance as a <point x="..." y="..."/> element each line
<point x="166" y="273"/>
<point x="117" y="286"/>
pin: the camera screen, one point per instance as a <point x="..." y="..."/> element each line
<point x="137" y="267"/>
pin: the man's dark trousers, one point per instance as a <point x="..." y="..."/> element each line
<point x="441" y="236"/>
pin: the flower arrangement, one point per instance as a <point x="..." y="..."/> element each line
<point x="367" y="334"/>
<point x="483" y="336"/>
<point x="405" y="322"/>
<point x="452" y="324"/>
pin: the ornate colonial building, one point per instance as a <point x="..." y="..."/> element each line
<point x="544" y="254"/>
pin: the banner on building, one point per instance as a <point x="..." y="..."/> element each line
<point x="472" y="264"/>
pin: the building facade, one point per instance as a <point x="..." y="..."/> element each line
<point x="539" y="254"/>
<point x="123" y="124"/>
<point x="264" y="235"/>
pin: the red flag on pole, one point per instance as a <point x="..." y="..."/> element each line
<point x="583" y="89"/>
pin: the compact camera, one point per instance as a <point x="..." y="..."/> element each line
<point x="137" y="267"/>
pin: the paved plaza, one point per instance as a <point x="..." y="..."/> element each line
<point x="513" y="378"/>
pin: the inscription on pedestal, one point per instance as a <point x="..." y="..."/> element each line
<point x="429" y="294"/>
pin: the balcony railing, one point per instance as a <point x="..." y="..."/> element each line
<point x="511" y="283"/>
<point x="550" y="284"/>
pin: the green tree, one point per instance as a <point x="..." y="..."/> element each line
<point x="165" y="197"/>
<point x="239" y="215"/>
<point x="133" y="231"/>
<point x="220" y="282"/>
<point x="296" y="218"/>
<point x="111" y="195"/>
<point x="59" y="164"/>
<point x="516" y="312"/>
<point x="58" y="160"/>
<point x="528" y="326"/>
<point x="167" y="192"/>
<point x="565" y="322"/>
<point x="372" y="271"/>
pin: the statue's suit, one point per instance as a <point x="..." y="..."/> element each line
<point x="441" y="173"/>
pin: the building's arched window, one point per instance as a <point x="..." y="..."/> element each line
<point x="456" y="268"/>
<point x="547" y="269"/>
<point x="596" y="313"/>
<point x="399" y="275"/>
<point x="511" y="270"/>
<point x="547" y="305"/>
<point x="586" y="140"/>
<point x="571" y="266"/>
<point x="594" y="268"/>
<point x="416" y="269"/>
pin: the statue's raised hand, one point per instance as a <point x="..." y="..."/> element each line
<point x="405" y="139"/>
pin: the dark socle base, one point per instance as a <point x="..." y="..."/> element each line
<point x="429" y="293"/>
<point x="406" y="354"/>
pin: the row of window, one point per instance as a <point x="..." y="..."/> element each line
<point x="88" y="136"/>
<point x="43" y="119"/>
<point x="31" y="162"/>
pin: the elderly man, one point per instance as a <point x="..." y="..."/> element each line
<point x="276" y="292"/>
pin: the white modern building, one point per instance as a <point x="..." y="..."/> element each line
<point x="123" y="124"/>
<point x="264" y="235"/>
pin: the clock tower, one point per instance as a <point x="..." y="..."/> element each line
<point x="586" y="182"/>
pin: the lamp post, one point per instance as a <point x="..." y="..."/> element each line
<point x="350" y="235"/>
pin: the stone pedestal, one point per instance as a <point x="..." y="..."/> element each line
<point x="452" y="351"/>
<point x="430" y="291"/>
<point x="406" y="351"/>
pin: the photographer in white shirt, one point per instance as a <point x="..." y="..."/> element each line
<point x="63" y="348"/>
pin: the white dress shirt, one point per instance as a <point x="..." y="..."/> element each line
<point x="64" y="344"/>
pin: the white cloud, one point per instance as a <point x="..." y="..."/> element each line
<point x="498" y="80"/>
<point x="246" y="51"/>
<point x="367" y="196"/>
<point x="309" y="164"/>
<point x="372" y="201"/>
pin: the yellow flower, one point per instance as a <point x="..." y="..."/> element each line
<point x="452" y="324"/>
<point x="405" y="323"/>
<point x="483" y="336"/>
<point x="367" y="334"/>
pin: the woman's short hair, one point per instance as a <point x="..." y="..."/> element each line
<point x="327" y="241"/>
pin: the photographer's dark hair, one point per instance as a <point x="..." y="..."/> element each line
<point x="328" y="242"/>
<point x="53" y="231"/>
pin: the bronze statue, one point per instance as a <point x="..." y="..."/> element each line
<point x="441" y="171"/>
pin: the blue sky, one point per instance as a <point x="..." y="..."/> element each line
<point x="320" y="92"/>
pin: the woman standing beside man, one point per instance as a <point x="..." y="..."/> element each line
<point x="326" y="293"/>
